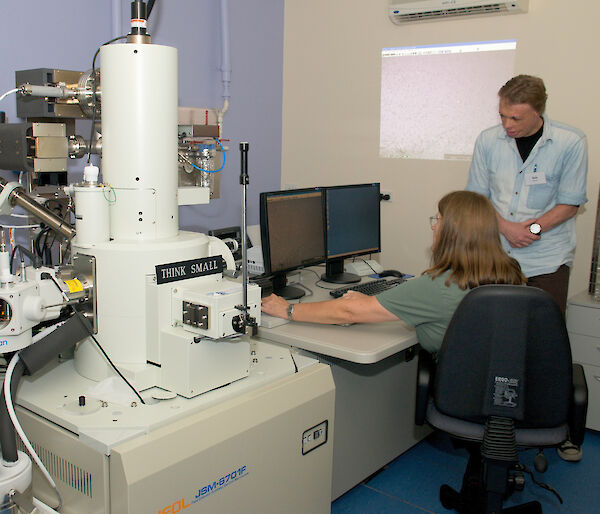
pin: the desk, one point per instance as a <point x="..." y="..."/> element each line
<point x="374" y="373"/>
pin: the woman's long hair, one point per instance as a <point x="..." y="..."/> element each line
<point x="468" y="243"/>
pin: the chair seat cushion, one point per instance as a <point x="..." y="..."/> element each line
<point x="474" y="431"/>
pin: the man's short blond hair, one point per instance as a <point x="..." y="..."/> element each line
<point x="525" y="89"/>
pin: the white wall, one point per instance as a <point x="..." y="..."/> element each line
<point x="331" y="89"/>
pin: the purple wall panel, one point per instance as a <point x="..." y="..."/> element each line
<point x="65" y="35"/>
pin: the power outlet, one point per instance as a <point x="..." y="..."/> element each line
<point x="314" y="437"/>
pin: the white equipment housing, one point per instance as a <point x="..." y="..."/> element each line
<point x="248" y="447"/>
<point x="145" y="263"/>
<point x="407" y="11"/>
<point x="217" y="414"/>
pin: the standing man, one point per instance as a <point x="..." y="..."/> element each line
<point x="534" y="171"/>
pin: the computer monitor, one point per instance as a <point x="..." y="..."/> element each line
<point x="352" y="227"/>
<point x="292" y="234"/>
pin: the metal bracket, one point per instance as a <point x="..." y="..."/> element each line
<point x="24" y="501"/>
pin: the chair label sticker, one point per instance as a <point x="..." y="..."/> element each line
<point x="506" y="391"/>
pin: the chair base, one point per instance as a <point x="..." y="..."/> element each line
<point x="473" y="497"/>
<point x="473" y="501"/>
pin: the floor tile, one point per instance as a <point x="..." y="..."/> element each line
<point x="365" y="500"/>
<point x="410" y="484"/>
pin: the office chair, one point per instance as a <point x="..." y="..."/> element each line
<point x="504" y="380"/>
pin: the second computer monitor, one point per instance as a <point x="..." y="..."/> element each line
<point x="352" y="227"/>
<point x="292" y="233"/>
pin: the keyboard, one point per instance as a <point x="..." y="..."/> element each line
<point x="368" y="288"/>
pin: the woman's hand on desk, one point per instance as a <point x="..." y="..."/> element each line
<point x="275" y="306"/>
<point x="353" y="307"/>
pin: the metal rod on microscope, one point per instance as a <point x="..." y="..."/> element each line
<point x="18" y="197"/>
<point x="244" y="180"/>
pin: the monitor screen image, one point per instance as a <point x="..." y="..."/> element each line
<point x="352" y="227"/>
<point x="292" y="233"/>
<point x="436" y="99"/>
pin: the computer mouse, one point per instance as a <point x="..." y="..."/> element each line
<point x="391" y="273"/>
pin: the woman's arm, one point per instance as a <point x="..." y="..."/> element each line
<point x="353" y="307"/>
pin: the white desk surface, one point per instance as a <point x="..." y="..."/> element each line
<point x="584" y="299"/>
<point x="361" y="343"/>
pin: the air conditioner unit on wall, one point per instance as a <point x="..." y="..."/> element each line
<point x="406" y="11"/>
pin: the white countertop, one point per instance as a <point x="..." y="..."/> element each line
<point x="363" y="343"/>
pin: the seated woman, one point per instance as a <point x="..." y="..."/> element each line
<point x="466" y="253"/>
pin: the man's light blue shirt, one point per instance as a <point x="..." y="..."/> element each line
<point x="498" y="172"/>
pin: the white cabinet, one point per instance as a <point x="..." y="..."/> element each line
<point x="583" y="324"/>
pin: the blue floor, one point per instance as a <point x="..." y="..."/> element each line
<point x="410" y="484"/>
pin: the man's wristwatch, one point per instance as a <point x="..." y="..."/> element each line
<point x="536" y="229"/>
<point x="290" y="311"/>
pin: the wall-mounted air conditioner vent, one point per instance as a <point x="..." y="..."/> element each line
<point x="406" y="11"/>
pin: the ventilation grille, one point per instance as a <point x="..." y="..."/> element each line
<point x="63" y="470"/>
<point x="497" y="8"/>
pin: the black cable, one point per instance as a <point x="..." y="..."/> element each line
<point x="294" y="362"/>
<point x="46" y="257"/>
<point x="525" y="469"/>
<point x="116" y="370"/>
<point x="12" y="258"/>
<point x="323" y="287"/>
<point x="38" y="249"/>
<point x="45" y="243"/>
<point x="24" y="251"/>
<point x="46" y="249"/>
<point x="59" y="204"/>
<point x="53" y="239"/>
<point x="150" y="6"/>
<point x="367" y="263"/>
<point x="8" y="436"/>
<point x="319" y="279"/>
<point x="36" y="243"/>
<point x="309" y="291"/>
<point x="91" y="333"/>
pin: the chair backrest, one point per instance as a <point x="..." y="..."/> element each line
<point x="506" y="353"/>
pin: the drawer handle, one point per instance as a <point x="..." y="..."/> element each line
<point x="597" y="378"/>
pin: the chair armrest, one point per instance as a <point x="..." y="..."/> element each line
<point x="425" y="373"/>
<point x="578" y="412"/>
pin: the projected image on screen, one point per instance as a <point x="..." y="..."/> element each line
<point x="436" y="99"/>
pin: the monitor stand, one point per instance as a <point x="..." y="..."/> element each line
<point x="280" y="288"/>
<point x="334" y="273"/>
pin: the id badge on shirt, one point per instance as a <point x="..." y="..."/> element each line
<point x="534" y="178"/>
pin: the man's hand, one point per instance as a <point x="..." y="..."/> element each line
<point x="517" y="233"/>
